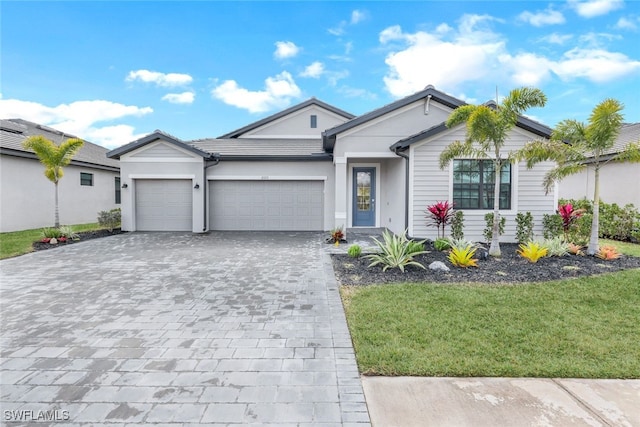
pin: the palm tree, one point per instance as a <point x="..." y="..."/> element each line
<point x="54" y="158"/>
<point x="573" y="143"/>
<point x="487" y="129"/>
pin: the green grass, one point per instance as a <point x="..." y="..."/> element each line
<point x="580" y="328"/>
<point x="19" y="242"/>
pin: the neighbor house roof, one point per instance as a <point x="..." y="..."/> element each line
<point x="329" y="136"/>
<point x="13" y="132"/>
<point x="629" y="132"/>
<point x="263" y="149"/>
<point x="312" y="101"/>
<point x="156" y="135"/>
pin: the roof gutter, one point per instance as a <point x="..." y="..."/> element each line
<point x="405" y="156"/>
<point x="214" y="159"/>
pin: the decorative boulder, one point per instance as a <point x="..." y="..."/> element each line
<point x="53" y="241"/>
<point x="438" y="266"/>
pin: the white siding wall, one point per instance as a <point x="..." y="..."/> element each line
<point x="618" y="184"/>
<point x="27" y="196"/>
<point x="298" y="124"/>
<point x="393" y="195"/>
<point x="282" y="170"/>
<point x="431" y="184"/>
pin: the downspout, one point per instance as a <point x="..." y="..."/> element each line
<point x="205" y="186"/>
<point x="406" y="186"/>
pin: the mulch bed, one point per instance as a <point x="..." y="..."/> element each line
<point x="510" y="268"/>
<point x="84" y="236"/>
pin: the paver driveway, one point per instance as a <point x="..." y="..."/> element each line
<point x="178" y="329"/>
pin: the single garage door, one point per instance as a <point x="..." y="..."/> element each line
<point x="163" y="205"/>
<point x="266" y="205"/>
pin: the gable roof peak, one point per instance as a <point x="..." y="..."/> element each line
<point x="304" y="104"/>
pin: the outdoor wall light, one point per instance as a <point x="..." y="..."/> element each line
<point x="196" y="186"/>
<point x="124" y="185"/>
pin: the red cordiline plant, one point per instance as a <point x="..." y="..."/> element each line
<point x="441" y="213"/>
<point x="569" y="216"/>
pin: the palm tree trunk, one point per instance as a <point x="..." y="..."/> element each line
<point x="57" y="212"/>
<point x="593" y="247"/>
<point x="494" y="248"/>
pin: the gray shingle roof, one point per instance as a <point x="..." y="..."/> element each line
<point x="260" y="147"/>
<point x="13" y="132"/>
<point x="629" y="132"/>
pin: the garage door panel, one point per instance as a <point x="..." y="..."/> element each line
<point x="266" y="205"/>
<point x="164" y="205"/>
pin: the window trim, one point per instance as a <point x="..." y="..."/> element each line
<point x="86" y="179"/>
<point x="512" y="173"/>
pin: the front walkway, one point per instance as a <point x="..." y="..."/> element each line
<point x="178" y="329"/>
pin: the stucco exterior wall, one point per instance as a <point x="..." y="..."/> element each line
<point x="430" y="184"/>
<point x="28" y="197"/>
<point x="321" y="170"/>
<point x="619" y="183"/>
<point x="135" y="165"/>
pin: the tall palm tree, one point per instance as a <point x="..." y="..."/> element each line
<point x="573" y="143"/>
<point x="488" y="127"/>
<point x="54" y="158"/>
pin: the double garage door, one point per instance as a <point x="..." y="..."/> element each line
<point x="266" y="205"/>
<point x="167" y="205"/>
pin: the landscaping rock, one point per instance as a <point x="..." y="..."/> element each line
<point x="53" y="241"/>
<point x="438" y="266"/>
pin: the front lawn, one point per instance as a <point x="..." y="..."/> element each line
<point x="582" y="328"/>
<point x="19" y="242"/>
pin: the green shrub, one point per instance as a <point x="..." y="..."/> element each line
<point x="395" y="252"/>
<point x="68" y="232"/>
<point x="552" y="226"/>
<point x="441" y="244"/>
<point x="354" y="251"/>
<point x="109" y="219"/>
<point x="556" y="246"/>
<point x="51" y="233"/>
<point x="618" y="223"/>
<point x="488" y="231"/>
<point x="457" y="225"/>
<point x="524" y="227"/>
<point x="414" y="246"/>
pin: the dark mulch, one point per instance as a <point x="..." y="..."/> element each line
<point x="84" y="236"/>
<point x="510" y="268"/>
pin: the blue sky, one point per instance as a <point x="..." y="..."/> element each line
<point x="111" y="72"/>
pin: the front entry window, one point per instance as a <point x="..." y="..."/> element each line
<point x="363" y="184"/>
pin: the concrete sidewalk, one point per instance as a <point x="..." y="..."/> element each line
<point x="496" y="402"/>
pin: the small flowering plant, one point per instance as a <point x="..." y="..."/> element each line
<point x="441" y="214"/>
<point x="569" y="215"/>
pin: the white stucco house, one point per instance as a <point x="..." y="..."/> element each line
<point x="316" y="167"/>
<point x="618" y="180"/>
<point x="91" y="183"/>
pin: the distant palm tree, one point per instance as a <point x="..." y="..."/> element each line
<point x="487" y="129"/>
<point x="54" y="158"/>
<point x="573" y="143"/>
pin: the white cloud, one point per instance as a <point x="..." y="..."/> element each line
<point x="314" y="70"/>
<point x="555" y="38"/>
<point x="278" y="92"/>
<point x="528" y="69"/>
<point x="593" y="8"/>
<point x="352" y="92"/>
<point x="179" y="98"/>
<point x="286" y="50"/>
<point x="357" y="16"/>
<point x="160" y="79"/>
<point x="627" y="24"/>
<point x="597" y="65"/>
<point x="430" y="59"/>
<point x="79" y="118"/>
<point x="543" y="17"/>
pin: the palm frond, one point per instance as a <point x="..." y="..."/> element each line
<point x="460" y="115"/>
<point x="604" y="124"/>
<point x="454" y="150"/>
<point x="561" y="171"/>
<point x="570" y="131"/>
<point x="631" y="153"/>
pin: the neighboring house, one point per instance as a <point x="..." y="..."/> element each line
<point x="618" y="180"/>
<point x="316" y="167"/>
<point x="90" y="183"/>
